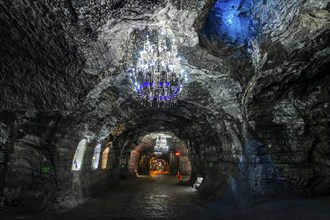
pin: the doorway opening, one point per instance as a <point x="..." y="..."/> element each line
<point x="146" y="159"/>
<point x="159" y="166"/>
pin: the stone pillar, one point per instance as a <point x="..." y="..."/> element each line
<point x="172" y="163"/>
<point x="3" y="169"/>
<point x="134" y="161"/>
<point x="5" y="149"/>
<point x="123" y="166"/>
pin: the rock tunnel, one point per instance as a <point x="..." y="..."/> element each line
<point x="250" y="127"/>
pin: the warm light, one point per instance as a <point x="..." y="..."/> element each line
<point x="177" y="154"/>
<point x="105" y="155"/>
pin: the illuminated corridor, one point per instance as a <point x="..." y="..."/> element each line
<point x="170" y="109"/>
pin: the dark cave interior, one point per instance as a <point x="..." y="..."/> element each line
<point x="253" y="121"/>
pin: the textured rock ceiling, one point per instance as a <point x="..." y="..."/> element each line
<point x="63" y="77"/>
<point x="72" y="55"/>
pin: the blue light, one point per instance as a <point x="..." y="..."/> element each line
<point x="231" y="21"/>
<point x="151" y="84"/>
<point x="161" y="84"/>
<point x="165" y="98"/>
<point x="167" y="84"/>
<point x="141" y="91"/>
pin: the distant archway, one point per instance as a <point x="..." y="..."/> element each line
<point x="158" y="166"/>
<point x="96" y="157"/>
<point x="105" y="156"/>
<point x="79" y="155"/>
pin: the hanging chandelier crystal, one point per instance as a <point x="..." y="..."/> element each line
<point x="157" y="77"/>
<point x="161" y="144"/>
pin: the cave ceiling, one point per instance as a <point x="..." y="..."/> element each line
<point x="72" y="57"/>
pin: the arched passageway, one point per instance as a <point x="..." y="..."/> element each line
<point x="164" y="105"/>
<point x="147" y="159"/>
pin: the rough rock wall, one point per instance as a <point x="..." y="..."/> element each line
<point x="40" y="66"/>
<point x="258" y="113"/>
<point x="43" y="80"/>
<point x="36" y="159"/>
<point x="184" y="165"/>
<point x="29" y="171"/>
<point x="285" y="103"/>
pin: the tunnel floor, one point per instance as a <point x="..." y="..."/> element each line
<point x="160" y="196"/>
<point x="156" y="196"/>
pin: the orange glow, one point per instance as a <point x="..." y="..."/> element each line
<point x="177" y="154"/>
<point x="157" y="172"/>
<point x="105" y="155"/>
<point x="158" y="166"/>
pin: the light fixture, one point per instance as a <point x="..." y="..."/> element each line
<point x="157" y="77"/>
<point x="161" y="144"/>
<point x="198" y="182"/>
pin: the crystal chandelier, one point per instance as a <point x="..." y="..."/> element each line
<point x="157" y="77"/>
<point x="161" y="144"/>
